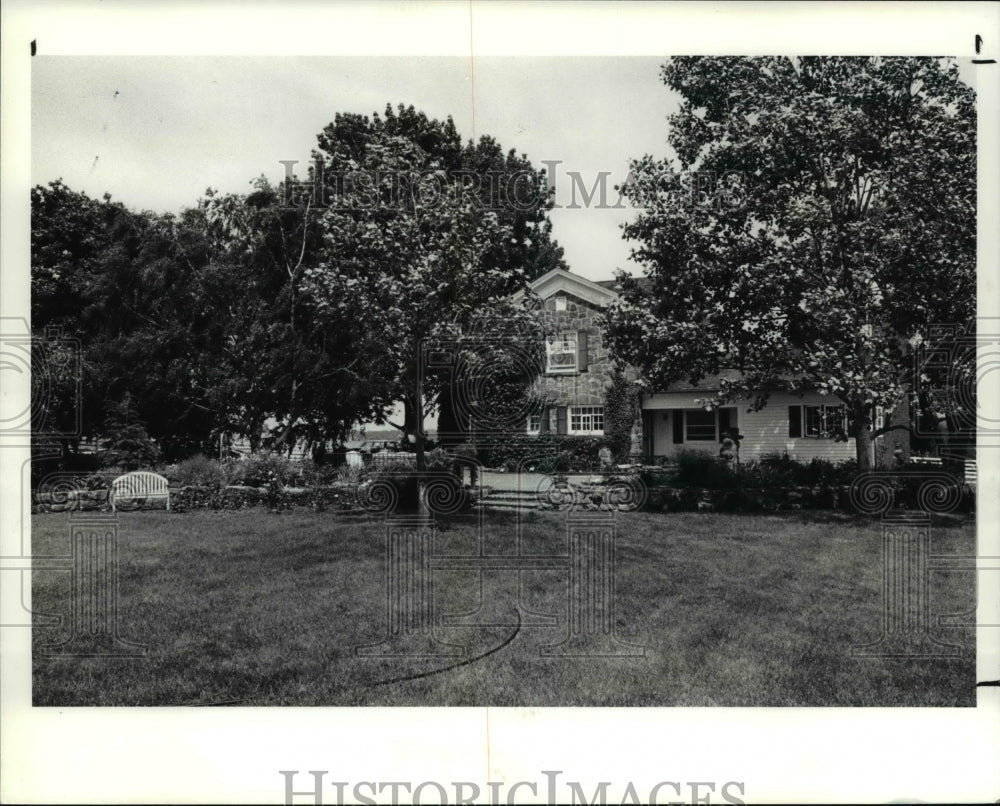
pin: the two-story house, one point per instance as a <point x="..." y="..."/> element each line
<point x="577" y="365"/>
<point x="578" y="371"/>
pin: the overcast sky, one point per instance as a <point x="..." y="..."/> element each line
<point x="155" y="132"/>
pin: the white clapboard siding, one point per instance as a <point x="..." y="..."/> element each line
<point x="764" y="431"/>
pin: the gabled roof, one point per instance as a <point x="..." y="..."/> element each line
<point x="644" y="283"/>
<point x="710" y="383"/>
<point x="552" y="282"/>
<point x="713" y="383"/>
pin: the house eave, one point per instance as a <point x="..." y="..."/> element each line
<point x="559" y="280"/>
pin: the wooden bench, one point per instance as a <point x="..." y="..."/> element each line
<point x="140" y="484"/>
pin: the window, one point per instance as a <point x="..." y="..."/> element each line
<point x="823" y="421"/>
<point x="586" y="420"/>
<point x="535" y="422"/>
<point x="699" y="425"/>
<point x="561" y="353"/>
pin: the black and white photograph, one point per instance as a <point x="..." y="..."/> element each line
<point x="388" y="396"/>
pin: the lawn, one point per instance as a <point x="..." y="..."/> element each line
<point x="250" y="608"/>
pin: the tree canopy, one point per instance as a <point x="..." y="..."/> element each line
<point x="422" y="236"/>
<point x="305" y="304"/>
<point x="817" y="215"/>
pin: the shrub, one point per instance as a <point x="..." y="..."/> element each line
<point x="620" y="406"/>
<point x="129" y="445"/>
<point x="264" y="469"/>
<point x="323" y="475"/>
<point x="197" y="471"/>
<point x="546" y="452"/>
<point x="438" y="459"/>
<point x="236" y="498"/>
<point x="698" y="469"/>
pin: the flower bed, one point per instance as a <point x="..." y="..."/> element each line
<point x="338" y="498"/>
<point x="662" y="498"/>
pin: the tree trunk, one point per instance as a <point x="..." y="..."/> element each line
<point x="418" y="415"/>
<point x="418" y="434"/>
<point x="453" y="427"/>
<point x="409" y="419"/>
<point x="864" y="444"/>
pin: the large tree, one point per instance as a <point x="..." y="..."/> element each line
<point x="125" y="286"/>
<point x="422" y="235"/>
<point x="276" y="359"/>
<point x="817" y="215"/>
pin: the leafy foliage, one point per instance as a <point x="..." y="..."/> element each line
<point x="197" y="471"/>
<point x="418" y="253"/>
<point x="620" y="407"/>
<point x="546" y="453"/>
<point x="838" y="221"/>
<point x="129" y="446"/>
<point x="269" y="306"/>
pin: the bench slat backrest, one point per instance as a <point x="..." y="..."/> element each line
<point x="971" y="472"/>
<point x="140" y="484"/>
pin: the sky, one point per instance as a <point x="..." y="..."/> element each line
<point x="156" y="132"/>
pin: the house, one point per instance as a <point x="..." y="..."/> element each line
<point x="792" y="423"/>
<point x="578" y="367"/>
<point x="578" y="371"/>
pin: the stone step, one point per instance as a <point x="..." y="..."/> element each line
<point x="509" y="499"/>
<point x="509" y="504"/>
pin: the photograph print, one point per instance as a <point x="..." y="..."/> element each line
<point x="534" y="381"/>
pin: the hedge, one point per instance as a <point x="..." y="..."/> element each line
<point x="545" y="453"/>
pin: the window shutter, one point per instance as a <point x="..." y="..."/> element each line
<point x="794" y="421"/>
<point x="582" y="352"/>
<point x="677" y="415"/>
<point x="724" y="424"/>
<point x="561" y="420"/>
<point x="543" y="421"/>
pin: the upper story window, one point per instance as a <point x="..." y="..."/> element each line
<point x="561" y="353"/>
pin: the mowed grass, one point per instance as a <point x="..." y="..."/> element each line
<point x="247" y="608"/>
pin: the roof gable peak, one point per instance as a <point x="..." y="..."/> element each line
<point x="556" y="280"/>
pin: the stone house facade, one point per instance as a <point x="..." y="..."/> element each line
<point x="578" y="372"/>
<point x="578" y="367"/>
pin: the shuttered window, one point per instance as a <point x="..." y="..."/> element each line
<point x="561" y="353"/>
<point x="699" y="425"/>
<point x="824" y="421"/>
<point x="794" y="422"/>
<point x="561" y="420"/>
<point x="677" y="416"/>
